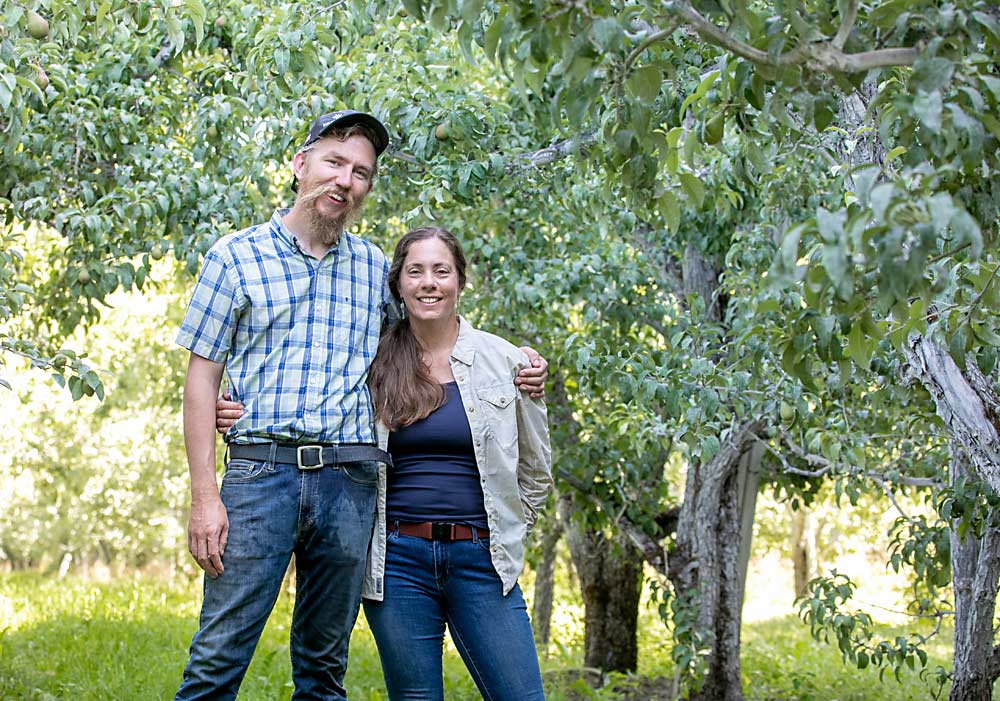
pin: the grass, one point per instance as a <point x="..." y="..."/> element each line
<point x="128" y="639"/>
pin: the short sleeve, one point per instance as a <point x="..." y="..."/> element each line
<point x="210" y="321"/>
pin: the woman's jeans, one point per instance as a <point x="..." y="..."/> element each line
<point x="430" y="583"/>
<point x="325" y="517"/>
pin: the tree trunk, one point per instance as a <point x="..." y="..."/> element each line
<point x="970" y="408"/>
<point x="965" y="402"/>
<point x="706" y="559"/>
<point x="541" y="609"/>
<point x="610" y="572"/>
<point x="803" y="560"/>
<point x="975" y="572"/>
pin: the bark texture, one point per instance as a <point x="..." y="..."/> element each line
<point x="706" y="559"/>
<point x="803" y="559"/>
<point x="975" y="567"/>
<point x="541" y="609"/>
<point x="969" y="407"/>
<point x="965" y="402"/>
<point x="610" y="572"/>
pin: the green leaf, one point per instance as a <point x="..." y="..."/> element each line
<point x="822" y="113"/>
<point x="492" y="38"/>
<point x="30" y="87"/>
<point x="670" y="210"/>
<point x="927" y="107"/>
<point x="416" y="9"/>
<point x="707" y="82"/>
<point x="197" y="13"/>
<point x="966" y="230"/>
<point x="471" y="9"/>
<point x="607" y="34"/>
<point x="931" y="74"/>
<point x="175" y="34"/>
<point x="859" y="347"/>
<point x="693" y="187"/>
<point x="644" y="84"/>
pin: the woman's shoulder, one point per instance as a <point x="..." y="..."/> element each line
<point x="498" y="347"/>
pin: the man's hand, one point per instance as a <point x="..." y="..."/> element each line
<point x="226" y="413"/>
<point x="208" y="532"/>
<point x="532" y="379"/>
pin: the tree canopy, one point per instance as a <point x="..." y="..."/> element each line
<point x="730" y="224"/>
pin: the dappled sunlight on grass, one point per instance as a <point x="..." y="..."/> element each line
<point x="127" y="639"/>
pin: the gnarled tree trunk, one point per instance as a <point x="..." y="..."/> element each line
<point x="610" y="572"/>
<point x="802" y="545"/>
<point x="706" y="559"/>
<point x="541" y="608"/>
<point x="975" y="573"/>
<point x="970" y="408"/>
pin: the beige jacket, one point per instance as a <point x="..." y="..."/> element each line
<point x="510" y="437"/>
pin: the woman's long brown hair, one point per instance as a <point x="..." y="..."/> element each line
<point x="400" y="382"/>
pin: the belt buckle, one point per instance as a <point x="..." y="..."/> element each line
<point x="309" y="465"/>
<point x="442" y="531"/>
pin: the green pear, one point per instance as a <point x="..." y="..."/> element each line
<point x="38" y="26"/>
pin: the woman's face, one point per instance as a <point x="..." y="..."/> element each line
<point x="428" y="282"/>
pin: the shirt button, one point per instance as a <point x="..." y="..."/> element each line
<point x="472" y="410"/>
<point x="315" y="344"/>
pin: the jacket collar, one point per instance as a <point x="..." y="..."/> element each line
<point x="465" y="346"/>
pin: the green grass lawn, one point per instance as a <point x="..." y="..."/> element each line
<point x="128" y="640"/>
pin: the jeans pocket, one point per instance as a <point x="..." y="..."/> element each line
<point x="484" y="544"/>
<point x="364" y="473"/>
<point x="238" y="471"/>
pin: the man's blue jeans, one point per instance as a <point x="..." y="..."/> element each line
<point x="325" y="517"/>
<point x="431" y="583"/>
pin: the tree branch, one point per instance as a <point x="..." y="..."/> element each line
<point x="556" y="151"/>
<point x="825" y="466"/>
<point x="846" y="24"/>
<point x="652" y="552"/>
<point x="820" y="56"/>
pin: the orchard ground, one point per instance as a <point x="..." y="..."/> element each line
<point x="125" y="637"/>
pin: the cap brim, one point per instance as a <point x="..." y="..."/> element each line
<point x="378" y="129"/>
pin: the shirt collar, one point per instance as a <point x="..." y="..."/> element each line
<point x="465" y="347"/>
<point x="285" y="237"/>
<point x="290" y="242"/>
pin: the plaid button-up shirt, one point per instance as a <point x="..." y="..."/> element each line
<point x="296" y="334"/>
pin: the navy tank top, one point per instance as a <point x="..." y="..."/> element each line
<point x="434" y="476"/>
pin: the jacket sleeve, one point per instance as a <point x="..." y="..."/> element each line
<point x="534" y="461"/>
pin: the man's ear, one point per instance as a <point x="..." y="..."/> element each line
<point x="298" y="164"/>
<point x="371" y="184"/>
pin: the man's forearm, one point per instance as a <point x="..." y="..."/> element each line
<point x="200" y="391"/>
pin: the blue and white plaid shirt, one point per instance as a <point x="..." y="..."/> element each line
<point x="297" y="335"/>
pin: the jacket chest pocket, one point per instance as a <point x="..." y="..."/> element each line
<point x="498" y="403"/>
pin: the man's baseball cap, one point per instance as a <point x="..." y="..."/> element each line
<point x="345" y="118"/>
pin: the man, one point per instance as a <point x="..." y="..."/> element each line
<point x="291" y="311"/>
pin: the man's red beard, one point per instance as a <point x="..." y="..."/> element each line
<point x="322" y="227"/>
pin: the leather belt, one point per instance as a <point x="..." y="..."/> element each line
<point x="442" y="531"/>
<point x="308" y="457"/>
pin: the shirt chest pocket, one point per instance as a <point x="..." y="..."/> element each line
<point x="498" y="402"/>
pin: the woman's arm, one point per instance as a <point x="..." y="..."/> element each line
<point x="534" y="460"/>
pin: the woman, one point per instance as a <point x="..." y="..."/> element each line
<point x="471" y="468"/>
<point x="470" y="471"/>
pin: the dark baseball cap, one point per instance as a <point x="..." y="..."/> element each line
<point x="345" y="118"/>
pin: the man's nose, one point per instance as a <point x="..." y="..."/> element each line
<point x="342" y="178"/>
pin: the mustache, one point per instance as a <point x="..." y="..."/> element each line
<point x="308" y="198"/>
